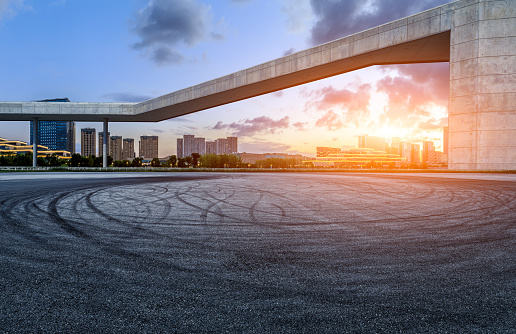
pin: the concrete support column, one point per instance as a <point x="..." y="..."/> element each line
<point x="104" y="144"/>
<point x="35" y="142"/>
<point x="482" y="115"/>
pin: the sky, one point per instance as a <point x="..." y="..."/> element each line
<point x="134" y="50"/>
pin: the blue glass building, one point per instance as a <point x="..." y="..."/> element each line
<point x="56" y="135"/>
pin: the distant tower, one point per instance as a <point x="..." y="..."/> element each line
<point x="56" y="135"/>
<point x="180" y="152"/>
<point x="128" y="149"/>
<point x="428" y="148"/>
<point x="199" y="146"/>
<point x="233" y="145"/>
<point x="376" y="143"/>
<point x="101" y="142"/>
<point x="188" y="145"/>
<point x="148" y="147"/>
<point x="222" y="146"/>
<point x="211" y="147"/>
<point x="88" y="142"/>
<point x="115" y="147"/>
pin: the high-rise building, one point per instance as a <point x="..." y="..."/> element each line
<point x="232" y="145"/>
<point x="395" y="145"/>
<point x="101" y="143"/>
<point x="188" y="145"/>
<point x="88" y="142"/>
<point x="415" y="153"/>
<point x="405" y="150"/>
<point x="222" y="146"/>
<point x="428" y="148"/>
<point x="56" y="135"/>
<point x="376" y="143"/>
<point x="148" y="147"/>
<point x="199" y="146"/>
<point x="128" y="149"/>
<point x="211" y="147"/>
<point x="180" y="152"/>
<point x="116" y="147"/>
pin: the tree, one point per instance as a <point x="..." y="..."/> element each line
<point x="189" y="160"/>
<point x="172" y="160"/>
<point x="137" y="162"/>
<point x="121" y="163"/>
<point x="181" y="162"/>
<point x="155" y="162"/>
<point x="195" y="159"/>
<point x="75" y="160"/>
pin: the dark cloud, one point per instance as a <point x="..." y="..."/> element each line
<point x="125" y="97"/>
<point x="157" y="130"/>
<point x="164" y="55"/>
<point x="250" y="127"/>
<point x="164" y="26"/>
<point x="289" y="52"/>
<point x="331" y="121"/>
<point x="339" y="18"/>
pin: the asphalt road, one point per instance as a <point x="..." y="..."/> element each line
<point x="257" y="253"/>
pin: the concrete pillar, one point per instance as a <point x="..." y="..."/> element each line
<point x="104" y="144"/>
<point x="35" y="142"/>
<point x="482" y="115"/>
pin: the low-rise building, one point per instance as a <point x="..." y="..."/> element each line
<point x="14" y="147"/>
<point x="359" y="158"/>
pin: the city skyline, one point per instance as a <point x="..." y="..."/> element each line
<point x="410" y="100"/>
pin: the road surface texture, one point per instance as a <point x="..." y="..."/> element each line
<point x="257" y="252"/>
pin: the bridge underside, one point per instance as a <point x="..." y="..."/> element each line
<point x="434" y="48"/>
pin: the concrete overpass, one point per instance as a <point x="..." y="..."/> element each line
<point x="477" y="37"/>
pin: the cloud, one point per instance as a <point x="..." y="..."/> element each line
<point x="163" y="27"/>
<point x="433" y="124"/>
<point x="289" y="52"/>
<point x="9" y="8"/>
<point x="339" y="18"/>
<point x="250" y="127"/>
<point x="126" y="97"/>
<point x="278" y="93"/>
<point x="298" y="13"/>
<point x="157" y="130"/>
<point x="58" y="3"/>
<point x="164" y="55"/>
<point x="344" y="98"/>
<point x="355" y="104"/>
<point x="301" y="126"/>
<point x="331" y="121"/>
<point x="417" y="88"/>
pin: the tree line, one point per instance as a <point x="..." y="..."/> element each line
<point x="25" y="159"/>
<point x="193" y="161"/>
